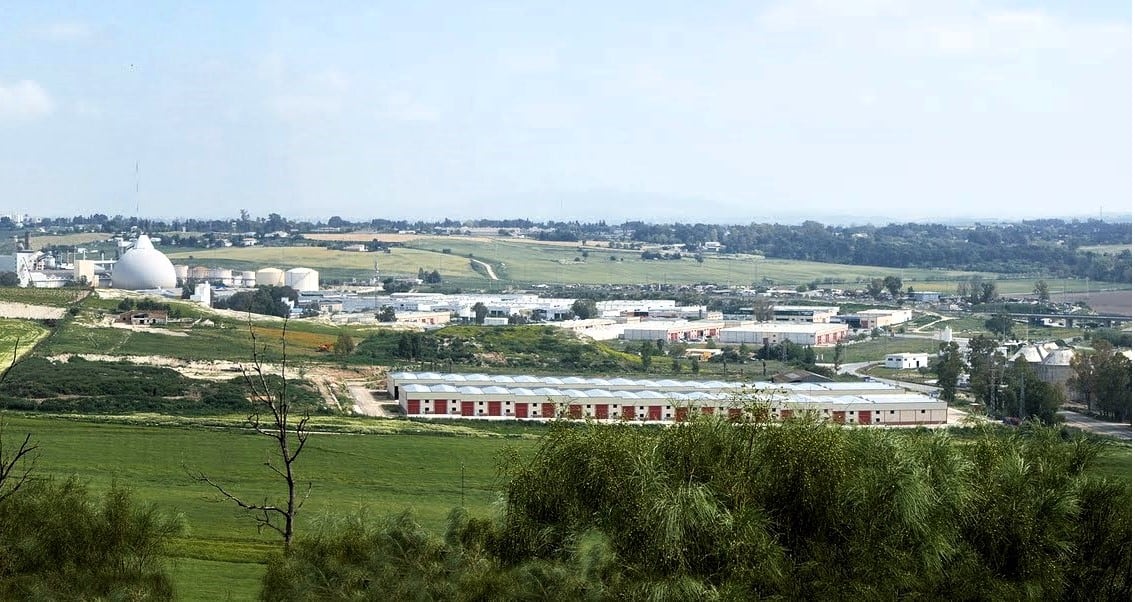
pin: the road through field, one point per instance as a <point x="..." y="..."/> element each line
<point x="488" y="269"/>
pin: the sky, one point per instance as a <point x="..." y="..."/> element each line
<point x="746" y="111"/>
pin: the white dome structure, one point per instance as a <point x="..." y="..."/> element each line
<point x="143" y="267"/>
<point x="302" y="279"/>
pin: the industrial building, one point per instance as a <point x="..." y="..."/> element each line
<point x="430" y="394"/>
<point x="772" y="333"/>
<point x="870" y="319"/>
<point x="803" y="314"/>
<point x="673" y="332"/>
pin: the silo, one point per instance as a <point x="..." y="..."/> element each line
<point x="182" y="272"/>
<point x="247" y="278"/>
<point x="269" y="277"/>
<point x="221" y="274"/>
<point x="199" y="272"/>
<point x="302" y="279"/>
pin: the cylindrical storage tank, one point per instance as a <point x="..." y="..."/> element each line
<point x="270" y="277"/>
<point x="199" y="272"/>
<point x="247" y="278"/>
<point x="182" y="272"/>
<point x="221" y="274"/>
<point x="49" y="262"/>
<point x="302" y="279"/>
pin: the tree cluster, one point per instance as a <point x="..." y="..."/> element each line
<point x="1102" y="379"/>
<point x="265" y="300"/>
<point x="724" y="511"/>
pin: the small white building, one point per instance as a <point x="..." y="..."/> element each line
<point x="907" y="361"/>
<point x="672" y="332"/>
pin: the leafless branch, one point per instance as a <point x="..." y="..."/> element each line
<point x="271" y="416"/>
<point x="16" y="469"/>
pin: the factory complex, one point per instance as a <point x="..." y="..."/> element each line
<point x="524" y="397"/>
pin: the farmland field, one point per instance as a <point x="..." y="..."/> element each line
<point x="399" y="261"/>
<point x="1106" y="249"/>
<point x="27" y="333"/>
<point x="221" y="551"/>
<point x="52" y="297"/>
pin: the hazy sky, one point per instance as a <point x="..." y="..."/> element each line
<point x="656" y="110"/>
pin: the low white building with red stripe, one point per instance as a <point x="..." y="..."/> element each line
<point x="483" y="396"/>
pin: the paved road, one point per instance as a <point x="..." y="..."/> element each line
<point x="1099" y="427"/>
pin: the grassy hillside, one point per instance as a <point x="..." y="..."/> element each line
<point x="26" y="332"/>
<point x="399" y="261"/>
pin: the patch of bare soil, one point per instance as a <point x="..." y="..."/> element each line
<point x="25" y="311"/>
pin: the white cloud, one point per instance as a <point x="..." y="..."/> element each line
<point x="315" y="95"/>
<point x="65" y="32"/>
<point x="24" y="100"/>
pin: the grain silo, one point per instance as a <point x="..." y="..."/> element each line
<point x="270" y="277"/>
<point x="302" y="279"/>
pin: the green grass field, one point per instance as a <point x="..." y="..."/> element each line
<point x="52" y="297"/>
<point x="522" y="263"/>
<point x="399" y="261"/>
<point x="221" y="551"/>
<point x="874" y="350"/>
<point x="1106" y="249"/>
<point x="25" y="332"/>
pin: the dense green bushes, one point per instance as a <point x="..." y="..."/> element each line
<point x="58" y="542"/>
<point x="540" y="347"/>
<point x="713" y="510"/>
<point x="92" y="387"/>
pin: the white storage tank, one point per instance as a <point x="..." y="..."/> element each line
<point x="302" y="279"/>
<point x="247" y="278"/>
<point x="182" y="272"/>
<point x="269" y="277"/>
<point x="221" y="274"/>
<point x="199" y="272"/>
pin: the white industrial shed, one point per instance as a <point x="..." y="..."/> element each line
<point x="429" y="394"/>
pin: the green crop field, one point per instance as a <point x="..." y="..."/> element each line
<point x="221" y="551"/>
<point x="399" y="261"/>
<point x="52" y="297"/>
<point x="874" y="350"/>
<point x="24" y="332"/>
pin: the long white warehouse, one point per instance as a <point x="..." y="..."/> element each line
<point x="429" y="394"/>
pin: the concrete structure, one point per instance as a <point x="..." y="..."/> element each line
<point x="203" y="294"/>
<point x="270" y="277"/>
<point x="1051" y="363"/>
<point x="870" y="319"/>
<point x="673" y="332"/>
<point x="803" y="314"/>
<point x="423" y="318"/>
<point x="143" y="267"/>
<point x="182" y="272"/>
<point x="926" y="296"/>
<point x="548" y="397"/>
<point x="85" y="272"/>
<point x="772" y="333"/>
<point x="667" y="309"/>
<point x="907" y="361"/>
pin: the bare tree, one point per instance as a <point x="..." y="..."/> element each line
<point x="272" y="417"/>
<point x="16" y="468"/>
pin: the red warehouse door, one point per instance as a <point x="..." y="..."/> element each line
<point x="707" y="410"/>
<point x="548" y="410"/>
<point x="467" y="408"/>
<point x="734" y="413"/>
<point x="575" y="410"/>
<point x="494" y="408"/>
<point x="654" y="412"/>
<point x="521" y="410"/>
<point x="839" y="417"/>
<point x="628" y="412"/>
<point x="440" y="406"/>
<point x="864" y="417"/>
<point x="680" y="414"/>
<point x="413" y="406"/>
<point x="601" y="411"/>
